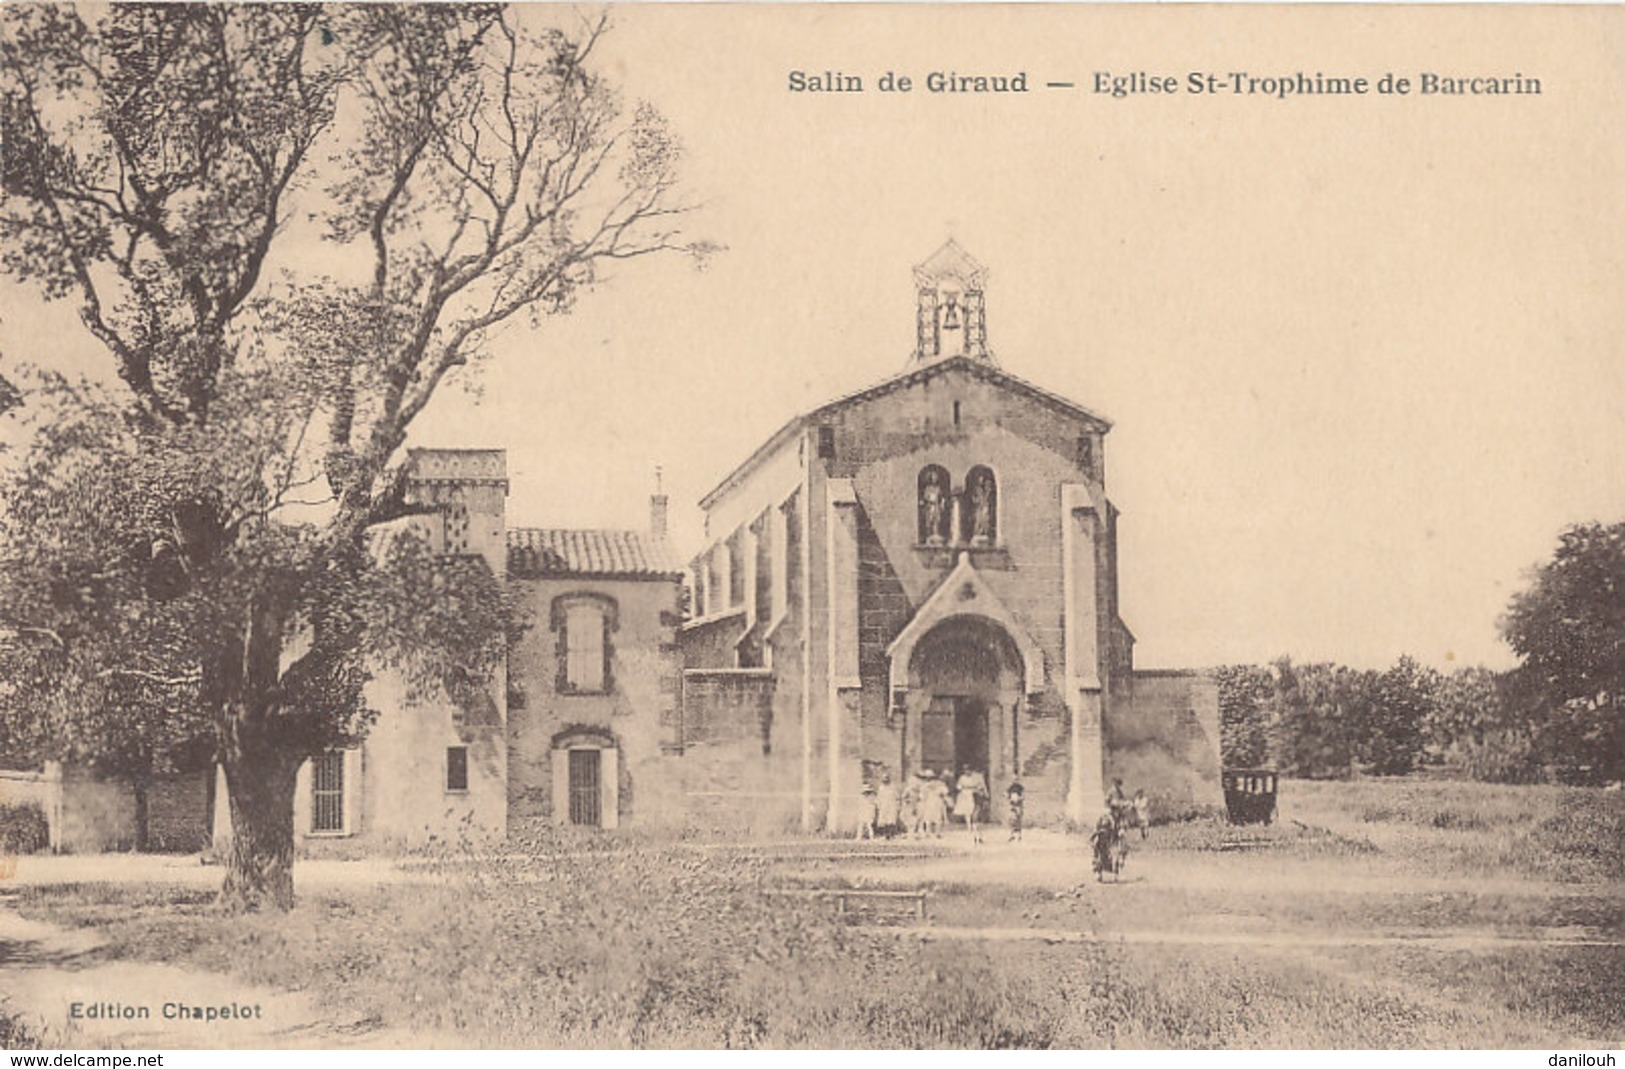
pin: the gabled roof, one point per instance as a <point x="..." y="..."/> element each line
<point x="543" y="553"/>
<point x="953" y="262"/>
<point x="976" y="368"/>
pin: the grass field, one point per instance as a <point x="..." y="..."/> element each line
<point x="1379" y="914"/>
<point x="1559" y="833"/>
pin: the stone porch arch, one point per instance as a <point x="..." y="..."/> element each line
<point x="963" y="592"/>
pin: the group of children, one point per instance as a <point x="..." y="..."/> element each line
<point x="923" y="806"/>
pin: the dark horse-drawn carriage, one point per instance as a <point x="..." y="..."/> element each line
<point x="1249" y="795"/>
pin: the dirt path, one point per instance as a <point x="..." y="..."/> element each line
<point x="187" y="870"/>
<point x="1055" y="862"/>
<point x="46" y="971"/>
<point x="1469" y="939"/>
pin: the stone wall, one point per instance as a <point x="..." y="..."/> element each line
<point x="732" y="773"/>
<point x="712" y="642"/>
<point x="22" y="788"/>
<point x="92" y="814"/>
<point x="87" y="813"/>
<point x="178" y="813"/>
<point x="1046" y="761"/>
<point x="1165" y="739"/>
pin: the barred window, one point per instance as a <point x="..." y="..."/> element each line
<point x="327" y="792"/>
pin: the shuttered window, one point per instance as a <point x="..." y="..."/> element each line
<point x="584" y="643"/>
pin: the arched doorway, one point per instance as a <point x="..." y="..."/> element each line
<point x="965" y="678"/>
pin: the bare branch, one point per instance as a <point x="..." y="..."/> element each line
<point x="42" y="632"/>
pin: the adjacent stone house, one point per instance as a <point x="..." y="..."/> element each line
<point x="592" y="698"/>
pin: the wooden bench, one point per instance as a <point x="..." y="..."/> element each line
<point x="845" y="897"/>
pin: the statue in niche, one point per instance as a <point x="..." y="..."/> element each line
<point x="933" y="508"/>
<point x="981" y="498"/>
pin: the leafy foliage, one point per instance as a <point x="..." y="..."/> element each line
<point x="1569" y="629"/>
<point x="15" y="1033"/>
<point x="1246" y="693"/>
<point x="1398" y="704"/>
<point x="23" y="829"/>
<point x="1317" y="719"/>
<point x="1328" y="721"/>
<point x="1478" y="729"/>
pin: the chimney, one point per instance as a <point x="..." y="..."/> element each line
<point x="657" y="510"/>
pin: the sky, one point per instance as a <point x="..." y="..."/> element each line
<point x="1361" y="352"/>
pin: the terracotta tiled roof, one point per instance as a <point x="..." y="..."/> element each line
<point x="539" y="552"/>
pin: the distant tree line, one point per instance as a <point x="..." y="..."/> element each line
<point x="1559" y="716"/>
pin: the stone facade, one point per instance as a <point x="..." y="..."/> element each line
<point x="629" y="722"/>
<point x="923" y="574"/>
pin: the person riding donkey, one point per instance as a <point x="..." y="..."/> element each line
<point x="1109" y="841"/>
<point x="1109" y="846"/>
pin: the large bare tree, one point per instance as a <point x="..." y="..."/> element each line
<point x="208" y="522"/>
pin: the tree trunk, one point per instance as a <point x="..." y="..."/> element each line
<point x="260" y="761"/>
<point x="259" y="858"/>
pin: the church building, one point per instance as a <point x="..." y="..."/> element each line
<point x="922" y="575"/>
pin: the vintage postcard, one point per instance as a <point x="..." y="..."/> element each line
<point x="812" y="526"/>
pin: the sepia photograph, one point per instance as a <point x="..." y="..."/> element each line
<point x="812" y="526"/>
